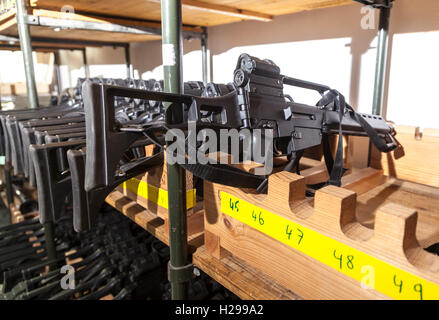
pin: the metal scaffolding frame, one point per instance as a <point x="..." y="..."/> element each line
<point x="128" y="61"/>
<point x="26" y="49"/>
<point x="385" y="7"/>
<point x="24" y="21"/>
<point x="57" y="70"/>
<point x="85" y="63"/>
<point x="204" y="56"/>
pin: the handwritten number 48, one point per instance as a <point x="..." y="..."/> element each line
<point x="349" y="262"/>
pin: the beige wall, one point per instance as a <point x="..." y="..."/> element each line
<point x="104" y="61"/>
<point x="333" y="40"/>
<point x="12" y="68"/>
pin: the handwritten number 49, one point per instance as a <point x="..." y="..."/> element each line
<point x="417" y="287"/>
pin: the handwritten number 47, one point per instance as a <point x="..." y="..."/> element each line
<point x="289" y="233"/>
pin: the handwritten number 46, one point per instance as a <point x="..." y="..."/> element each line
<point x="258" y="218"/>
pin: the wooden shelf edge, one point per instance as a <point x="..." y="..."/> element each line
<point x="148" y="220"/>
<point x="240" y="278"/>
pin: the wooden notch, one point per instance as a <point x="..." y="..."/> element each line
<point x="335" y="210"/>
<point x="286" y="187"/>
<point x="213" y="246"/>
<point x="395" y="225"/>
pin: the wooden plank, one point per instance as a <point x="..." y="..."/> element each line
<point x="225" y="10"/>
<point x="148" y="14"/>
<point x="240" y="278"/>
<point x="144" y="218"/>
<point x="6" y="5"/>
<point x="145" y="190"/>
<point x="195" y="222"/>
<point x="420" y="162"/>
<point x="19" y="88"/>
<point x="104" y="19"/>
<point x="10" y="29"/>
<point x="315" y="175"/>
<point x="16" y="215"/>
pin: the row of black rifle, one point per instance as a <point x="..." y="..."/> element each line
<point x="116" y="260"/>
<point x="46" y="148"/>
<point x="79" y="152"/>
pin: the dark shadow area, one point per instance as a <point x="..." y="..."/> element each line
<point x="364" y="209"/>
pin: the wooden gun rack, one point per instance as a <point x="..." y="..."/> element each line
<point x="365" y="240"/>
<point x="144" y="200"/>
<point x="379" y="224"/>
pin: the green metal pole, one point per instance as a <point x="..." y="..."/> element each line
<point x="128" y="61"/>
<point x="172" y="66"/>
<point x="49" y="236"/>
<point x="57" y="64"/>
<point x="381" y="63"/>
<point x="26" y="49"/>
<point x="8" y="183"/>
<point x="84" y="61"/>
<point x="204" y="55"/>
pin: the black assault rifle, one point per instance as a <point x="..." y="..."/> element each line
<point x="255" y="100"/>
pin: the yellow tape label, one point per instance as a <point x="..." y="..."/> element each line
<point x="369" y="271"/>
<point x="156" y="195"/>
